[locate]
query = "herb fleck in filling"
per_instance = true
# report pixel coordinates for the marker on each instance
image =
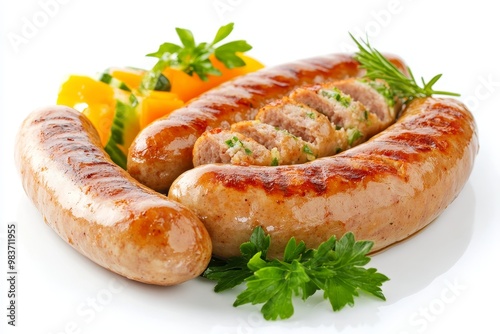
(310, 154)
(311, 115)
(382, 89)
(353, 135)
(235, 142)
(337, 95)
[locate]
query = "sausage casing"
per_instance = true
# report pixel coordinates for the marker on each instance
(383, 190)
(163, 150)
(99, 209)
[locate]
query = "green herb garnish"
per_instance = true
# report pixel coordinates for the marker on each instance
(231, 142)
(335, 94)
(286, 132)
(275, 154)
(378, 67)
(353, 135)
(336, 267)
(194, 58)
(235, 141)
(311, 115)
(233, 271)
(307, 150)
(383, 89)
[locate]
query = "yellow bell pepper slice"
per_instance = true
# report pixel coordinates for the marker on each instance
(101, 116)
(94, 98)
(97, 100)
(132, 77)
(79, 89)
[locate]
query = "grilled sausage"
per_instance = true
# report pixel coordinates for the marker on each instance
(224, 146)
(312, 122)
(286, 148)
(384, 190)
(163, 150)
(99, 209)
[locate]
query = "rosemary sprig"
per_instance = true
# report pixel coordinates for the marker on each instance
(404, 87)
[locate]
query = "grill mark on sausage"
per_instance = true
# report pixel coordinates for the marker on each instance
(386, 155)
(99, 209)
(153, 162)
(311, 177)
(323, 120)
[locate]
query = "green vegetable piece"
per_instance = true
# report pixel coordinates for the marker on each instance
(113, 82)
(125, 117)
(163, 84)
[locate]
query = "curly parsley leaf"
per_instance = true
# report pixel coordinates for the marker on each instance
(194, 58)
(336, 267)
(235, 270)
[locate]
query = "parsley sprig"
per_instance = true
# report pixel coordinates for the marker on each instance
(194, 58)
(336, 267)
(404, 87)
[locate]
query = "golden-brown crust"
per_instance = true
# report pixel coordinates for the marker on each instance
(163, 150)
(99, 209)
(383, 190)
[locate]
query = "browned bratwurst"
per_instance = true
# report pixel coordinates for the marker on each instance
(99, 209)
(163, 150)
(383, 190)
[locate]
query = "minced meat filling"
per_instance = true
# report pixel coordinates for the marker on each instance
(312, 122)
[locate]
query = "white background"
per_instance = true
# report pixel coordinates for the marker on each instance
(442, 280)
